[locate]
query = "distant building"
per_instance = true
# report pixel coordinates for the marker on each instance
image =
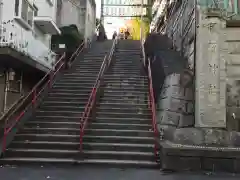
(115, 13)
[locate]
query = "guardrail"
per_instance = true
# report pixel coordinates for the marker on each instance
(151, 104)
(92, 99)
(30, 101)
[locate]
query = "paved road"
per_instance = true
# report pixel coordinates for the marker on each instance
(80, 173)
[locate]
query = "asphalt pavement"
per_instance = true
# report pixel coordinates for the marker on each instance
(90, 173)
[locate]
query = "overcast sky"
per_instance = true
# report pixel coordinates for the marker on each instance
(98, 10)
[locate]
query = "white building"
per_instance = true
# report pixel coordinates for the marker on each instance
(82, 13)
(25, 41)
(27, 26)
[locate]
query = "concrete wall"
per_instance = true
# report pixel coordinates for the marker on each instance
(90, 21)
(28, 39)
(73, 13)
(80, 13)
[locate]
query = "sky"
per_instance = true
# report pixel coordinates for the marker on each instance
(98, 10)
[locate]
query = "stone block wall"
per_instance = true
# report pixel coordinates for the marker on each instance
(232, 56)
(175, 104)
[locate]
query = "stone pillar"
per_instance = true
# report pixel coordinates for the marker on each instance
(210, 97)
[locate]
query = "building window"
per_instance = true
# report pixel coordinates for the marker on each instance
(26, 11)
(16, 7)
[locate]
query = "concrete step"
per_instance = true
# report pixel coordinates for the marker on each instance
(100, 125)
(79, 74)
(122, 115)
(72, 91)
(126, 76)
(128, 120)
(121, 92)
(114, 155)
(45, 145)
(74, 86)
(86, 146)
(127, 84)
(94, 132)
(81, 82)
(131, 68)
(135, 109)
(119, 132)
(71, 161)
(60, 113)
(120, 99)
(119, 139)
(41, 153)
(72, 79)
(54, 124)
(77, 95)
(123, 105)
(63, 107)
(66, 100)
(125, 79)
(126, 89)
(47, 137)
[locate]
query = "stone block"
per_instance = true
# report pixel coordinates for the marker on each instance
(177, 92)
(234, 139)
(172, 91)
(167, 131)
(233, 47)
(217, 164)
(177, 163)
(232, 34)
(191, 136)
(172, 80)
(176, 105)
(216, 137)
(179, 157)
(234, 59)
(233, 71)
(175, 119)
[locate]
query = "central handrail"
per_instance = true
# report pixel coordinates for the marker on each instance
(92, 99)
(30, 101)
(151, 104)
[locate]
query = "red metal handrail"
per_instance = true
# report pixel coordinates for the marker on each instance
(92, 99)
(77, 52)
(151, 104)
(32, 97)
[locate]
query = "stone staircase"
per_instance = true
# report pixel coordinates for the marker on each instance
(121, 134)
(52, 134)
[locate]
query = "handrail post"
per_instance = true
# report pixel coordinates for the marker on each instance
(34, 97)
(50, 80)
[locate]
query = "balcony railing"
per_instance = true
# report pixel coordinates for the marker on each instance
(15, 37)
